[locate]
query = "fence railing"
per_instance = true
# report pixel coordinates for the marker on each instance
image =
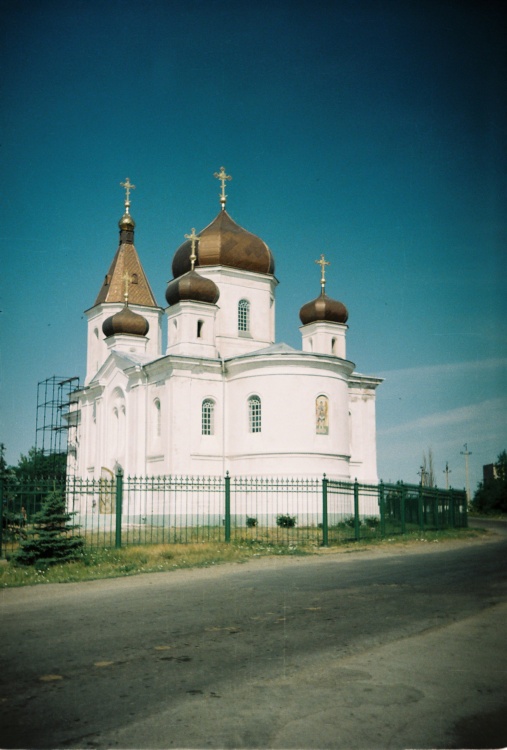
(167, 509)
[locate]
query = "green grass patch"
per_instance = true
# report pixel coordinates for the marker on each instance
(112, 563)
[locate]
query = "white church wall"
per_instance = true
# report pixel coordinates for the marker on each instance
(258, 290)
(191, 329)
(288, 443)
(363, 436)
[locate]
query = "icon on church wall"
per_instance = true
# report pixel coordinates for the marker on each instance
(322, 415)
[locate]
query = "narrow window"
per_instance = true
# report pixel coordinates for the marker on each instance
(254, 414)
(333, 346)
(134, 279)
(200, 324)
(208, 417)
(244, 315)
(157, 423)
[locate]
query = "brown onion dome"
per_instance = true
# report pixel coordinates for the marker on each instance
(192, 286)
(323, 308)
(125, 322)
(225, 243)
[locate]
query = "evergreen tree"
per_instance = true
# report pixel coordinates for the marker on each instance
(51, 541)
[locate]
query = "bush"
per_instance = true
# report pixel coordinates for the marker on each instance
(286, 522)
(372, 521)
(251, 522)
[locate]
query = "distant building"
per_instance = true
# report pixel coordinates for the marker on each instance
(223, 396)
(489, 472)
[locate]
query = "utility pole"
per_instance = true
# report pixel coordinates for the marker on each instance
(467, 453)
(422, 473)
(447, 471)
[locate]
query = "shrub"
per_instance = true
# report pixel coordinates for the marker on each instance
(251, 522)
(372, 521)
(286, 522)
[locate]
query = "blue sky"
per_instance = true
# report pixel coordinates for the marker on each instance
(373, 132)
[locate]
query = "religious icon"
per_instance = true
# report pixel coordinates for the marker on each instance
(321, 415)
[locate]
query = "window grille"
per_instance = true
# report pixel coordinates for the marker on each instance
(254, 413)
(208, 417)
(243, 315)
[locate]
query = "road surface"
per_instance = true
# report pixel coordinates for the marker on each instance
(387, 648)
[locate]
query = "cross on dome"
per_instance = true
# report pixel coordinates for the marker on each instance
(128, 187)
(323, 263)
(222, 176)
(127, 278)
(194, 238)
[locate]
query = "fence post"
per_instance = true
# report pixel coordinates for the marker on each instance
(227, 507)
(118, 506)
(382, 506)
(420, 512)
(465, 514)
(325, 527)
(356, 510)
(402, 508)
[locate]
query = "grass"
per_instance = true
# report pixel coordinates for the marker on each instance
(133, 560)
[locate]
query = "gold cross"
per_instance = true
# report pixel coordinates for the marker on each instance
(323, 263)
(222, 177)
(195, 238)
(128, 187)
(127, 278)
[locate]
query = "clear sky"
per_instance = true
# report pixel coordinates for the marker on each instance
(371, 131)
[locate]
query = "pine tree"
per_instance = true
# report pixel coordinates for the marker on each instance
(51, 541)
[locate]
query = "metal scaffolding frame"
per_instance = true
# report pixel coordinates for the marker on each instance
(54, 397)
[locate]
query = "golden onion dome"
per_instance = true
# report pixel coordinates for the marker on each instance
(126, 222)
(125, 322)
(192, 286)
(225, 243)
(323, 308)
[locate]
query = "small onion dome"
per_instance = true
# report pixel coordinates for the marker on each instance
(126, 222)
(225, 243)
(323, 308)
(126, 225)
(192, 286)
(127, 322)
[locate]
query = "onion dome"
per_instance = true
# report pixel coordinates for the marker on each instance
(225, 243)
(192, 286)
(323, 308)
(125, 322)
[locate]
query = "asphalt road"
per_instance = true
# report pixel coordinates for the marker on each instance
(378, 649)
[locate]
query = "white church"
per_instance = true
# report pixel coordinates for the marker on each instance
(223, 396)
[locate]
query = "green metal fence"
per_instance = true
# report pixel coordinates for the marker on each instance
(167, 510)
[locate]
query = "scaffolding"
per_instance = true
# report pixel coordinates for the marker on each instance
(54, 398)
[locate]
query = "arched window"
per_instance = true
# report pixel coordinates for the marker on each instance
(254, 414)
(200, 324)
(157, 422)
(244, 315)
(208, 417)
(333, 346)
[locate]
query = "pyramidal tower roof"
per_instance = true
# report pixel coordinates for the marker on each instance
(126, 263)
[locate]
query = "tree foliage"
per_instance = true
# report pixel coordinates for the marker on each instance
(51, 540)
(38, 464)
(491, 495)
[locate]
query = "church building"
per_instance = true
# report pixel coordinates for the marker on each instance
(223, 396)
